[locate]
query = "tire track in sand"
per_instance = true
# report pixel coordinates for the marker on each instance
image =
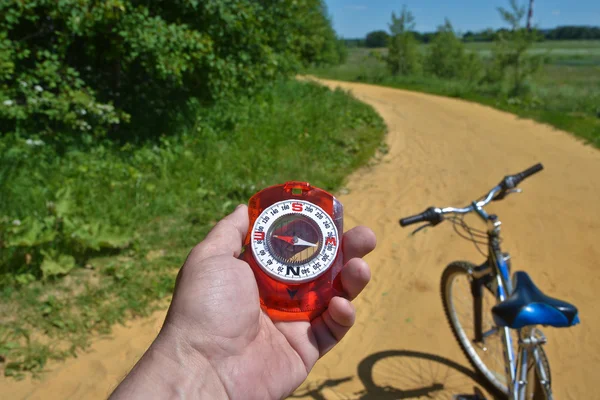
(441, 152)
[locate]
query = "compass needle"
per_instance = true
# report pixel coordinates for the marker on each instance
(287, 239)
(301, 242)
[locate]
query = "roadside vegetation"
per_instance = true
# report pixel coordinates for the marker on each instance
(127, 132)
(555, 82)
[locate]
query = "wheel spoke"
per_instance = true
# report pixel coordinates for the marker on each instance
(486, 356)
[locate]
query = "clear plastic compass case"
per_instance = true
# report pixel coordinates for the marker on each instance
(289, 301)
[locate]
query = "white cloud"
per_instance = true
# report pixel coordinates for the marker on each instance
(556, 12)
(356, 8)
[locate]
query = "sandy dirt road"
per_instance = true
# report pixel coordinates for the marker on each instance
(441, 152)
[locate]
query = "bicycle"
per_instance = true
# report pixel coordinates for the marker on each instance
(516, 306)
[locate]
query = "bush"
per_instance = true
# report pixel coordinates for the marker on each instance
(73, 70)
(403, 56)
(447, 57)
(510, 54)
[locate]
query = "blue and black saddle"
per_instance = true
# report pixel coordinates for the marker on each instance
(527, 305)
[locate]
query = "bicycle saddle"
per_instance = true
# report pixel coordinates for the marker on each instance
(527, 305)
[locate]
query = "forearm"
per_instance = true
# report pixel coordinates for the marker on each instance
(169, 370)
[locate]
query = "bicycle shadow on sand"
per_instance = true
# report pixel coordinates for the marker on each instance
(406, 374)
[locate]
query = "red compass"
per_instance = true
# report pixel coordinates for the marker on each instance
(294, 248)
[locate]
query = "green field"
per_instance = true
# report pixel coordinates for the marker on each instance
(567, 52)
(587, 49)
(564, 93)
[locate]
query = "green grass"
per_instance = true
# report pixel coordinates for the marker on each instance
(163, 197)
(565, 93)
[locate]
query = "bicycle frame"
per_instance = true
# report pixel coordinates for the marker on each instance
(494, 275)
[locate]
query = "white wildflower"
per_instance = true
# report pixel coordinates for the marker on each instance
(82, 111)
(16, 222)
(38, 88)
(83, 125)
(23, 83)
(8, 103)
(36, 142)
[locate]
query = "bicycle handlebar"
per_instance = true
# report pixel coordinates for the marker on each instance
(530, 171)
(428, 215)
(435, 215)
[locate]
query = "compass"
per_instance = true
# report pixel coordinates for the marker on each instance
(294, 241)
(293, 246)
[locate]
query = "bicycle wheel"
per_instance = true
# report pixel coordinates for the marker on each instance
(535, 389)
(486, 357)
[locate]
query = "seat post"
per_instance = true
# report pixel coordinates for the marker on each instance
(530, 337)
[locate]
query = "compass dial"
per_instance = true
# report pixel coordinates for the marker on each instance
(294, 241)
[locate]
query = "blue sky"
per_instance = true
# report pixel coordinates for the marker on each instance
(354, 18)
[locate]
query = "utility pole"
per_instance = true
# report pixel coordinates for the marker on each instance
(530, 15)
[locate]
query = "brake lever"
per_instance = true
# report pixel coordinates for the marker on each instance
(413, 233)
(503, 195)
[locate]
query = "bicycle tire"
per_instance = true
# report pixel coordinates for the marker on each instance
(538, 392)
(453, 270)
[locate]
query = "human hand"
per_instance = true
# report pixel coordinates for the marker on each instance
(216, 341)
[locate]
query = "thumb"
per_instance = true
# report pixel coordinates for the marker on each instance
(226, 238)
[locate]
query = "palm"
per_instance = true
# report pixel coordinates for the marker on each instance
(247, 348)
(216, 309)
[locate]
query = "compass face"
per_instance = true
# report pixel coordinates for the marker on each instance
(294, 241)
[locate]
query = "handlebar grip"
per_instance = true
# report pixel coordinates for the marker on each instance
(512, 181)
(530, 171)
(432, 215)
(412, 220)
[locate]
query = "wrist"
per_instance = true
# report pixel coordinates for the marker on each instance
(171, 368)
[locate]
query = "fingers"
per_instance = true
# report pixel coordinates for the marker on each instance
(355, 276)
(333, 324)
(358, 242)
(339, 317)
(302, 339)
(225, 238)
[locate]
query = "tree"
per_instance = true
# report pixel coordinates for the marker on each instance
(326, 47)
(573, 32)
(510, 54)
(81, 69)
(402, 24)
(447, 57)
(403, 53)
(530, 15)
(376, 39)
